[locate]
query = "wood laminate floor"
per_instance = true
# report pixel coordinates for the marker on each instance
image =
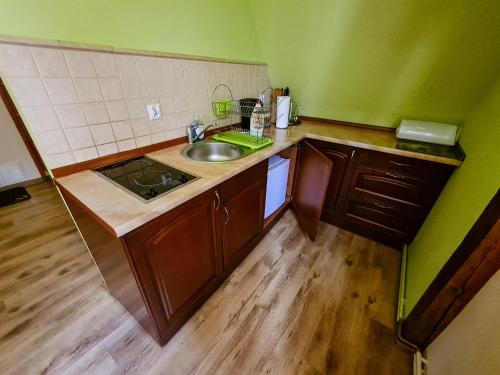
(292, 307)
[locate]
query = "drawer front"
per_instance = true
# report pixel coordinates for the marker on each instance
(399, 186)
(381, 210)
(400, 165)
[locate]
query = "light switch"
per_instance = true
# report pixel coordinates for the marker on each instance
(154, 111)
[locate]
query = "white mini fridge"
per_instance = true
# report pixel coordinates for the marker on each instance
(277, 181)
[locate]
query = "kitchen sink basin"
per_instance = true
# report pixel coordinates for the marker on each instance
(214, 152)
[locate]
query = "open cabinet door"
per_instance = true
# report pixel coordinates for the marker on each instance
(311, 182)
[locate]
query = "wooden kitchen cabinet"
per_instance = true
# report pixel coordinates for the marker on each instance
(178, 262)
(311, 181)
(341, 156)
(242, 223)
(387, 197)
(379, 195)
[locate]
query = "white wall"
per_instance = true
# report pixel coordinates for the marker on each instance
(13, 150)
(471, 343)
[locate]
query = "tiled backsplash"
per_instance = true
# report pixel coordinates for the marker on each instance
(80, 105)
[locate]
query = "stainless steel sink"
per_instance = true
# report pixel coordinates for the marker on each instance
(214, 152)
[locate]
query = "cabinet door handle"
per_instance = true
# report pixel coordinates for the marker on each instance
(227, 215)
(399, 164)
(218, 199)
(395, 175)
(380, 205)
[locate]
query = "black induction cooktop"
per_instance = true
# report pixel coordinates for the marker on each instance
(144, 177)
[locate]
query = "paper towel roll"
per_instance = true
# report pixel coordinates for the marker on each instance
(282, 111)
(430, 132)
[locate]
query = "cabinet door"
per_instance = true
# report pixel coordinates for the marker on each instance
(178, 259)
(311, 182)
(243, 217)
(340, 155)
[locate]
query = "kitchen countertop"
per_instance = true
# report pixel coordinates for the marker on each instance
(122, 212)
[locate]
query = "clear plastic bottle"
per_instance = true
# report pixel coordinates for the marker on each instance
(196, 128)
(257, 120)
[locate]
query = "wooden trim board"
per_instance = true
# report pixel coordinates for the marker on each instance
(469, 268)
(347, 123)
(110, 49)
(120, 156)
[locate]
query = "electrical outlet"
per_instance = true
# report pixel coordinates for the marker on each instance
(154, 111)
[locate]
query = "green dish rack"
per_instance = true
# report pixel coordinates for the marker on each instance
(243, 139)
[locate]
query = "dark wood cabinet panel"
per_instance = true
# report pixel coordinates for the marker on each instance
(341, 156)
(402, 187)
(243, 218)
(241, 181)
(177, 257)
(310, 187)
(387, 197)
(402, 165)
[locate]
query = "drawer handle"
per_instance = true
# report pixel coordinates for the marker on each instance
(380, 205)
(218, 199)
(399, 164)
(227, 215)
(395, 175)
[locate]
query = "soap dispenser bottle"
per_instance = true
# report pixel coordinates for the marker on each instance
(195, 129)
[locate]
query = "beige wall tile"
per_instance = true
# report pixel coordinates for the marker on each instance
(41, 118)
(162, 67)
(175, 133)
(50, 62)
(102, 134)
(88, 89)
(102, 97)
(60, 160)
(180, 104)
(79, 137)
(156, 126)
(71, 115)
(176, 68)
(167, 106)
(165, 87)
(179, 86)
(122, 130)
(111, 88)
(117, 110)
(158, 137)
(61, 90)
(52, 142)
(145, 67)
(140, 126)
(105, 65)
(29, 91)
(136, 108)
(107, 149)
(85, 154)
(131, 88)
(80, 64)
(17, 62)
(126, 66)
(145, 140)
(127, 144)
(170, 122)
(96, 113)
(149, 88)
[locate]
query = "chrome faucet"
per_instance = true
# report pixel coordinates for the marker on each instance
(197, 137)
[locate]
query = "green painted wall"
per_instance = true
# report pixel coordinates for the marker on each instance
(375, 61)
(464, 198)
(216, 28)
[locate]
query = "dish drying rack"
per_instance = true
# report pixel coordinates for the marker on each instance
(225, 108)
